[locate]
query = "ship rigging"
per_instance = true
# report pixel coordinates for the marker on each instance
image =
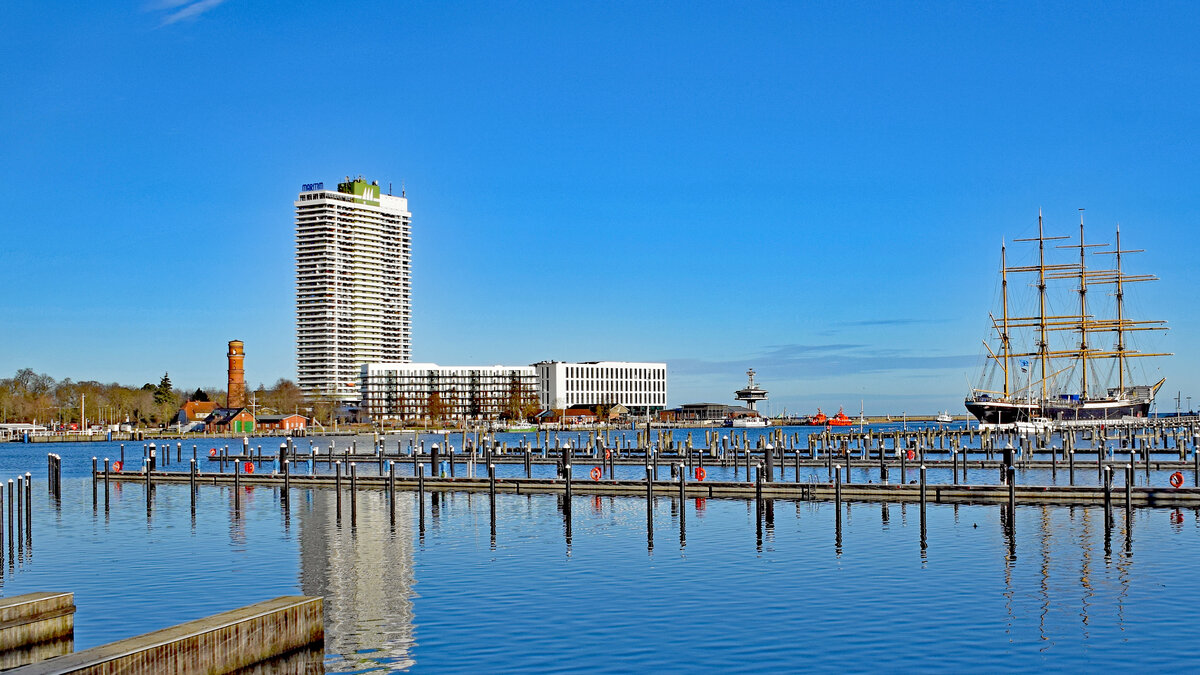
(1057, 385)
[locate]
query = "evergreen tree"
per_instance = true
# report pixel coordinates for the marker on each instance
(199, 395)
(164, 394)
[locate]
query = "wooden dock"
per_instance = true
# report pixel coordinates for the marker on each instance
(808, 491)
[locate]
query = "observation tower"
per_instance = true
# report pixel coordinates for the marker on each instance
(752, 394)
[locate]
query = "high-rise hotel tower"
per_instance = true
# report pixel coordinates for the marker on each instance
(353, 287)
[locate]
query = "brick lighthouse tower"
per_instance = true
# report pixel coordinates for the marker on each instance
(236, 397)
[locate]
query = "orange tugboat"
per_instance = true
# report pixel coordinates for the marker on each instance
(818, 420)
(840, 419)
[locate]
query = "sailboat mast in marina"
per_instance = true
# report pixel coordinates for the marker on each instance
(1065, 348)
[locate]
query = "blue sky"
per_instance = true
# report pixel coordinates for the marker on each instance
(817, 190)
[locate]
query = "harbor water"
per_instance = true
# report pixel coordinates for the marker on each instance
(707, 586)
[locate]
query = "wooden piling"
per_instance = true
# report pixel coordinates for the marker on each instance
(421, 496)
(392, 493)
(353, 494)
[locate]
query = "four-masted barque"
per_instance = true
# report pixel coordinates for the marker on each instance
(1053, 363)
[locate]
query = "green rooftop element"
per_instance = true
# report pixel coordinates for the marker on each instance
(364, 192)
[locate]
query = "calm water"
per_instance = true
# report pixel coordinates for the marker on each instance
(715, 592)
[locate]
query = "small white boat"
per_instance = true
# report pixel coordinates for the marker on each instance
(746, 423)
(945, 418)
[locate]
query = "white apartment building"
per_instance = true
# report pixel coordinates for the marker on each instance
(353, 285)
(408, 391)
(640, 387)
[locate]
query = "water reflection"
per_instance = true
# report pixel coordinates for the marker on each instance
(365, 575)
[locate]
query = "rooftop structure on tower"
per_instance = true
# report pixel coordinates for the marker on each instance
(752, 394)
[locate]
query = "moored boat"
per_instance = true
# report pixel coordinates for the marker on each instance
(746, 422)
(1052, 362)
(840, 419)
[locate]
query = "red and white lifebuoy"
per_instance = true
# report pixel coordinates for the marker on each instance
(700, 473)
(249, 467)
(911, 454)
(116, 466)
(212, 452)
(595, 473)
(1176, 479)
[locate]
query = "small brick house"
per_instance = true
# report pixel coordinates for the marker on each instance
(226, 420)
(293, 422)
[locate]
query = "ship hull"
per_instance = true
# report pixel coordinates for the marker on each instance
(1011, 412)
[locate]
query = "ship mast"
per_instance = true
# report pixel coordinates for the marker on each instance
(1083, 391)
(1042, 300)
(1120, 319)
(1004, 347)
(1043, 322)
(1122, 325)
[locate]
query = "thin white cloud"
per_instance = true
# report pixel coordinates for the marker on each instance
(179, 10)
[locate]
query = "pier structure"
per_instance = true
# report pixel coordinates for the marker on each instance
(775, 464)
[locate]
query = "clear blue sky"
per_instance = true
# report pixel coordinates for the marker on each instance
(817, 190)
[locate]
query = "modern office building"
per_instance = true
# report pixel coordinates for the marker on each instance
(640, 387)
(411, 391)
(353, 285)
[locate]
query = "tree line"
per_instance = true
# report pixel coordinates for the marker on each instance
(38, 398)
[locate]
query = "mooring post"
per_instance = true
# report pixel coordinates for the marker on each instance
(353, 494)
(924, 492)
(1012, 493)
(95, 480)
(567, 478)
(237, 485)
(287, 481)
(682, 479)
(337, 487)
(1128, 493)
(837, 487)
(649, 499)
(192, 483)
(392, 490)
(421, 496)
(1108, 494)
(20, 512)
(29, 506)
(11, 531)
(1071, 465)
(149, 473)
(492, 485)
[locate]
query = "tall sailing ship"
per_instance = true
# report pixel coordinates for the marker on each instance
(1057, 365)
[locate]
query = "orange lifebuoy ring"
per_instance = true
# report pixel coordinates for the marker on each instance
(249, 467)
(700, 474)
(607, 453)
(1176, 479)
(596, 473)
(212, 452)
(911, 454)
(116, 466)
